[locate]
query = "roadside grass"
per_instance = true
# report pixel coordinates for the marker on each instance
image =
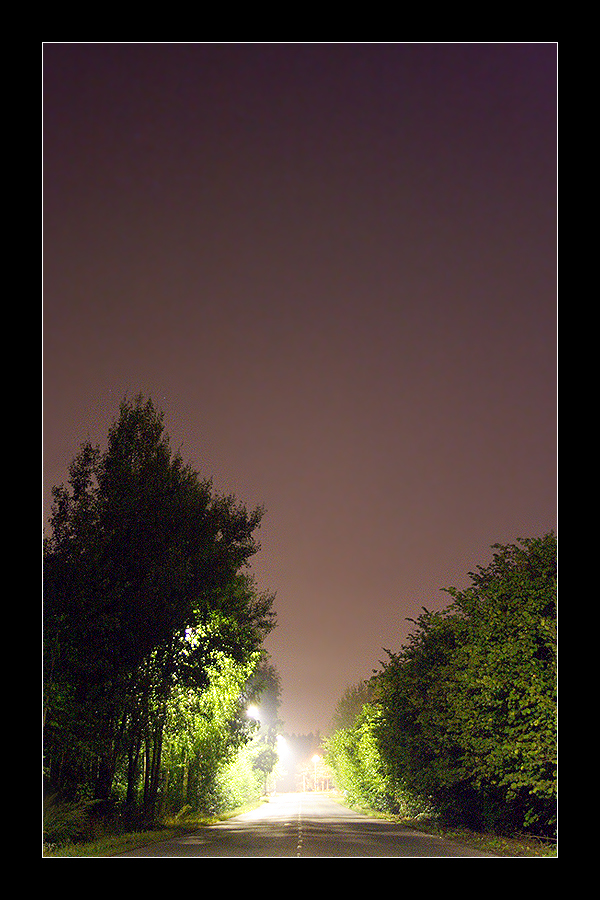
(115, 843)
(112, 844)
(514, 847)
(518, 846)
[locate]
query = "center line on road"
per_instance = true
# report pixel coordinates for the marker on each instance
(299, 847)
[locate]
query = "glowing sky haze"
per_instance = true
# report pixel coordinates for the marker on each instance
(333, 267)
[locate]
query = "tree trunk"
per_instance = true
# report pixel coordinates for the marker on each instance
(152, 780)
(104, 777)
(132, 769)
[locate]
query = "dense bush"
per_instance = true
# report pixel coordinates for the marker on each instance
(354, 756)
(463, 718)
(65, 822)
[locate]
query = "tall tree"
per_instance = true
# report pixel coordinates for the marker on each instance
(140, 550)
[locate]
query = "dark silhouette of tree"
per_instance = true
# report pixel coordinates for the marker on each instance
(140, 551)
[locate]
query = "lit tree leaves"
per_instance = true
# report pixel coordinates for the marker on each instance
(140, 553)
(466, 711)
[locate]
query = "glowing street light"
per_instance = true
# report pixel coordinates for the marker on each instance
(253, 712)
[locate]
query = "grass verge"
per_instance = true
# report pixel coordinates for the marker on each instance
(520, 846)
(113, 844)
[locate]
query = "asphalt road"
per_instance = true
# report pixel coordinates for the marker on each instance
(305, 826)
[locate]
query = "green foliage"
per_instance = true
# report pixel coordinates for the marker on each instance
(238, 781)
(351, 704)
(65, 822)
(205, 728)
(243, 778)
(361, 770)
(146, 602)
(352, 752)
(505, 702)
(464, 716)
(417, 733)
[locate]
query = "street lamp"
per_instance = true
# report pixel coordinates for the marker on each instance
(253, 712)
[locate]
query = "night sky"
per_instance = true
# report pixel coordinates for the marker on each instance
(333, 267)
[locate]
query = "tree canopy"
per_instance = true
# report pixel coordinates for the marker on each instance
(462, 719)
(147, 593)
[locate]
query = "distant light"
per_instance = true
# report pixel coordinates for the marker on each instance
(282, 746)
(253, 712)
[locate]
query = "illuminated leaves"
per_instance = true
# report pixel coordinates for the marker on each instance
(466, 711)
(140, 554)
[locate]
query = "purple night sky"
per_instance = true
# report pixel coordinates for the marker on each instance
(333, 267)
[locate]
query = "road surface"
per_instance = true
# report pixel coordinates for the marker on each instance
(305, 826)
